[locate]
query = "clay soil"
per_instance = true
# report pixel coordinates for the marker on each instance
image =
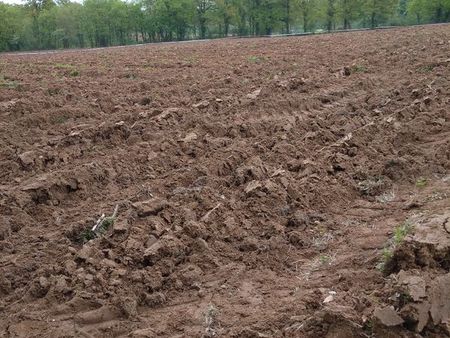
(273, 187)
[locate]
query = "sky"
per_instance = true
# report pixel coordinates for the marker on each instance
(22, 1)
(11, 1)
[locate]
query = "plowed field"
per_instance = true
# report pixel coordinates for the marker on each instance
(273, 187)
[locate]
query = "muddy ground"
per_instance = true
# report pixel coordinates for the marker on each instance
(285, 187)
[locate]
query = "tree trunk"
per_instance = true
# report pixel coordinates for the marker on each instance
(288, 16)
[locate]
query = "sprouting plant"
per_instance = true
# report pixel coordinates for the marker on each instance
(324, 259)
(63, 66)
(5, 82)
(107, 223)
(131, 76)
(426, 68)
(421, 182)
(59, 119)
(358, 69)
(53, 91)
(101, 226)
(86, 236)
(400, 233)
(256, 59)
(210, 320)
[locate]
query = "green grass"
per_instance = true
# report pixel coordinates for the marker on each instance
(131, 76)
(426, 68)
(64, 66)
(87, 234)
(59, 119)
(71, 69)
(8, 83)
(53, 91)
(256, 59)
(421, 182)
(400, 233)
(358, 69)
(324, 259)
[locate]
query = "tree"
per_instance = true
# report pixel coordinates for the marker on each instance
(44, 24)
(348, 11)
(12, 18)
(224, 11)
(287, 9)
(202, 8)
(379, 11)
(306, 10)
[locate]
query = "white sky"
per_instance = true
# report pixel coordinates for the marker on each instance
(11, 1)
(23, 1)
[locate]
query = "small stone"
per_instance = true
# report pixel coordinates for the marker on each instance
(328, 299)
(254, 94)
(202, 104)
(252, 186)
(154, 299)
(85, 253)
(427, 100)
(388, 317)
(346, 71)
(415, 92)
(70, 266)
(190, 137)
(27, 158)
(298, 220)
(145, 101)
(43, 282)
(416, 285)
(201, 244)
(120, 226)
(149, 207)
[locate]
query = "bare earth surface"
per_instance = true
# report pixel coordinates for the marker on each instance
(289, 187)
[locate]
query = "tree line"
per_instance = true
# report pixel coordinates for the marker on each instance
(49, 24)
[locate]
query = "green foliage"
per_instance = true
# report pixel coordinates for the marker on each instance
(324, 259)
(256, 59)
(107, 223)
(358, 69)
(59, 119)
(400, 232)
(48, 24)
(87, 234)
(421, 182)
(8, 83)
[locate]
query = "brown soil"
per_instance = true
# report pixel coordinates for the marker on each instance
(258, 181)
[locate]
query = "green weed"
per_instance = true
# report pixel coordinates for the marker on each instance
(256, 59)
(400, 233)
(87, 234)
(64, 66)
(421, 182)
(324, 259)
(53, 91)
(358, 69)
(8, 83)
(426, 68)
(59, 119)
